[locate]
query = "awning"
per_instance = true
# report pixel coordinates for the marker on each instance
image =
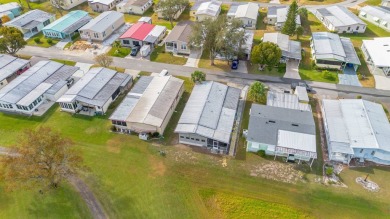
(362, 13)
(375, 19)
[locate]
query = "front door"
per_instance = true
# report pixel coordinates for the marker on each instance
(215, 145)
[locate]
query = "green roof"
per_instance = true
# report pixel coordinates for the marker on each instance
(73, 20)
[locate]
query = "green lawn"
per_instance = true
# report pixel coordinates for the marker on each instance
(276, 71)
(314, 75)
(43, 41)
(132, 180)
(65, 62)
(119, 52)
(159, 55)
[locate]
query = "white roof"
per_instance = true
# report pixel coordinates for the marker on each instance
(249, 10)
(379, 51)
(210, 111)
(34, 94)
(209, 8)
(339, 16)
(379, 12)
(103, 21)
(9, 6)
(358, 123)
(281, 15)
(150, 101)
(104, 2)
(301, 92)
(286, 100)
(297, 140)
(9, 65)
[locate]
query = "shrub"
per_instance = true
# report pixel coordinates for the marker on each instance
(49, 41)
(282, 67)
(155, 134)
(37, 40)
(113, 128)
(359, 97)
(261, 153)
(329, 76)
(329, 171)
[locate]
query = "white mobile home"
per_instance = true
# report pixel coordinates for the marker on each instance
(339, 19)
(380, 16)
(10, 68)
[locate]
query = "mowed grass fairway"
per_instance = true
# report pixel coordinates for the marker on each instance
(132, 180)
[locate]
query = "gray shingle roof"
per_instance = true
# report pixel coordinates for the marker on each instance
(210, 111)
(30, 19)
(103, 21)
(181, 32)
(266, 121)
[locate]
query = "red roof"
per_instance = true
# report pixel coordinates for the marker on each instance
(138, 31)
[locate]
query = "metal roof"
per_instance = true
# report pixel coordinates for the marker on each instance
(290, 48)
(383, 13)
(210, 8)
(96, 86)
(301, 93)
(70, 22)
(9, 6)
(9, 65)
(332, 46)
(241, 10)
(296, 140)
(281, 15)
(104, 2)
(379, 51)
(357, 123)
(47, 72)
(265, 122)
(124, 109)
(339, 16)
(210, 111)
(138, 31)
(272, 11)
(103, 21)
(30, 19)
(286, 100)
(128, 3)
(149, 101)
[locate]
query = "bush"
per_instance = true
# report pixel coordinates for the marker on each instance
(359, 97)
(261, 153)
(282, 67)
(49, 41)
(155, 134)
(329, 171)
(113, 128)
(37, 40)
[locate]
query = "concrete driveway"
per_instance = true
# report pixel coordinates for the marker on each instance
(193, 59)
(382, 82)
(292, 69)
(349, 77)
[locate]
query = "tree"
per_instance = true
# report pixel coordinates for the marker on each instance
(198, 77)
(257, 92)
(28, 4)
(217, 36)
(169, 8)
(43, 158)
(57, 4)
(103, 60)
(232, 42)
(299, 31)
(11, 40)
(290, 25)
(266, 53)
(4, 19)
(303, 13)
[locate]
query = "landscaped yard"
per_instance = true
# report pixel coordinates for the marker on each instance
(159, 55)
(43, 41)
(119, 52)
(276, 71)
(311, 2)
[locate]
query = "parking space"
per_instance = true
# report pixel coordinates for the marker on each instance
(349, 77)
(292, 69)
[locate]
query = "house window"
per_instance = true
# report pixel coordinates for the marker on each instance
(96, 35)
(183, 46)
(113, 27)
(203, 140)
(104, 33)
(181, 136)
(373, 153)
(357, 28)
(45, 23)
(192, 139)
(361, 150)
(126, 42)
(349, 28)
(187, 137)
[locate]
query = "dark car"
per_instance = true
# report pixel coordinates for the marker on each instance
(134, 51)
(302, 84)
(234, 64)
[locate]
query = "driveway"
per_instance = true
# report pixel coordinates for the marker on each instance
(382, 82)
(193, 59)
(349, 77)
(242, 67)
(292, 69)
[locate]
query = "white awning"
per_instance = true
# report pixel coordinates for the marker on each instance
(375, 19)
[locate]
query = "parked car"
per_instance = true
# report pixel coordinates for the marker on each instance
(234, 64)
(134, 51)
(302, 84)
